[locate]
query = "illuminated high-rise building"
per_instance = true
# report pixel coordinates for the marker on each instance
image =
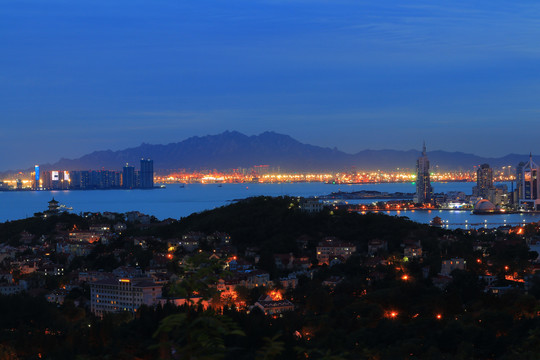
(424, 192)
(528, 185)
(128, 177)
(484, 181)
(36, 177)
(147, 174)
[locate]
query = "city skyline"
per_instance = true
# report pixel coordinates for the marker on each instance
(87, 76)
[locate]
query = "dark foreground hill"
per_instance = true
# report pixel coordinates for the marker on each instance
(363, 308)
(275, 224)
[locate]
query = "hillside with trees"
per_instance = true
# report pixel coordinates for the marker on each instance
(371, 305)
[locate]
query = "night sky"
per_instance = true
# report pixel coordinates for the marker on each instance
(79, 76)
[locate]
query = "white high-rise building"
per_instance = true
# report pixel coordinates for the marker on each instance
(528, 185)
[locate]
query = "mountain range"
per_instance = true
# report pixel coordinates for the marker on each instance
(232, 149)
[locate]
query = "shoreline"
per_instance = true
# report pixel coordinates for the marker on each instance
(93, 189)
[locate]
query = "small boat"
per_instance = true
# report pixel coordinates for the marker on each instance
(220, 185)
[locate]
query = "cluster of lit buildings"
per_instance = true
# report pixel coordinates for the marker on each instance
(128, 178)
(487, 196)
(374, 177)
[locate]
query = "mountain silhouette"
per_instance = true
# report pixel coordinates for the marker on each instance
(232, 149)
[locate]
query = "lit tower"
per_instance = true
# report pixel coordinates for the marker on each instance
(424, 192)
(54, 207)
(128, 177)
(147, 173)
(484, 181)
(36, 177)
(528, 185)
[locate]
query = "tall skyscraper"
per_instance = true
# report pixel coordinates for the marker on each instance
(147, 173)
(36, 177)
(424, 192)
(518, 191)
(528, 185)
(484, 181)
(128, 177)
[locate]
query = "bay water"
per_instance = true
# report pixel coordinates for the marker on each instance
(177, 201)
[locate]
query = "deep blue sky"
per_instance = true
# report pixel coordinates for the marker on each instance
(78, 76)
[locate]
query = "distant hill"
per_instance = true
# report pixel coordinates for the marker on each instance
(232, 149)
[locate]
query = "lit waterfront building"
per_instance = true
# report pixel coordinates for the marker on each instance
(36, 177)
(424, 192)
(484, 181)
(528, 187)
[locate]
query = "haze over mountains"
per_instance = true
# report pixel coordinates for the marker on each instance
(232, 149)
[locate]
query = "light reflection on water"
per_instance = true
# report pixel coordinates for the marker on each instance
(454, 219)
(176, 202)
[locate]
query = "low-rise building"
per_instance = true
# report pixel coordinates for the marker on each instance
(332, 281)
(453, 264)
(74, 248)
(189, 245)
(289, 282)
(331, 248)
(100, 229)
(534, 245)
(83, 237)
(376, 245)
(122, 294)
(311, 205)
(26, 267)
(284, 261)
(239, 264)
(119, 227)
(127, 272)
(412, 251)
(12, 288)
(256, 278)
(271, 307)
(57, 296)
(6, 276)
(52, 270)
(135, 216)
(93, 276)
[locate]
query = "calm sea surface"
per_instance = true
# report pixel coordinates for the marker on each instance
(176, 202)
